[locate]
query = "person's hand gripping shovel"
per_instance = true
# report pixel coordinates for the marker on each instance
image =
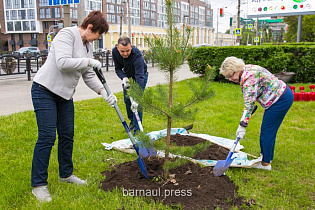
(134, 109)
(222, 165)
(101, 77)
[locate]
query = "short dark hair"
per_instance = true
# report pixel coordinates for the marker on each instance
(98, 20)
(124, 41)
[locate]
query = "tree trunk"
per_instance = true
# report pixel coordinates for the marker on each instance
(169, 125)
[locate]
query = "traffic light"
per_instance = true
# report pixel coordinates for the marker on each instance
(221, 12)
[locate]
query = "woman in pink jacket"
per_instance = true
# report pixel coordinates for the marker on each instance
(275, 96)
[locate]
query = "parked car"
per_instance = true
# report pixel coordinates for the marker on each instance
(203, 45)
(44, 52)
(101, 51)
(33, 50)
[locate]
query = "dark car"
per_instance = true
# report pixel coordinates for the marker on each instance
(44, 52)
(100, 51)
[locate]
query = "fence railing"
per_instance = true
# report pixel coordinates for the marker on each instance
(12, 64)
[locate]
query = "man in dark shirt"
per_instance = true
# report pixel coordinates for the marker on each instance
(129, 63)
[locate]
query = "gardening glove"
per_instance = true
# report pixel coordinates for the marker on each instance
(95, 64)
(134, 106)
(240, 132)
(111, 99)
(125, 83)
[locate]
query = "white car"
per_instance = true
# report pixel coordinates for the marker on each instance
(33, 50)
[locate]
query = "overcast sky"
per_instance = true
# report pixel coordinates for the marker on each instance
(224, 22)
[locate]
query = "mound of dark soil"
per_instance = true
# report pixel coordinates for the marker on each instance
(185, 140)
(213, 152)
(192, 186)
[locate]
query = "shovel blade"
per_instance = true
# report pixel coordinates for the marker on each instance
(141, 162)
(221, 167)
(142, 167)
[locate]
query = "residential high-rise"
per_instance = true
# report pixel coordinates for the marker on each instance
(28, 22)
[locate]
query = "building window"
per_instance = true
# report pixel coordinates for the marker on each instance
(33, 36)
(46, 25)
(17, 26)
(57, 12)
(22, 15)
(33, 26)
(47, 12)
(8, 4)
(24, 3)
(10, 26)
(13, 15)
(26, 26)
(31, 4)
(16, 4)
(31, 13)
(41, 13)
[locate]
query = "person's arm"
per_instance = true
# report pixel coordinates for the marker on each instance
(118, 65)
(138, 63)
(63, 49)
(250, 92)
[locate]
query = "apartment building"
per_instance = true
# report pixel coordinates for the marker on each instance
(28, 22)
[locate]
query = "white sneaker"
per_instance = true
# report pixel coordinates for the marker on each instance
(42, 193)
(260, 166)
(74, 179)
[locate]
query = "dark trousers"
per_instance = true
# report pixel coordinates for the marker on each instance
(130, 114)
(52, 113)
(272, 120)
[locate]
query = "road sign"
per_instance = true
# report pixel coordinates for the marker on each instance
(62, 2)
(238, 32)
(48, 38)
(250, 26)
(256, 39)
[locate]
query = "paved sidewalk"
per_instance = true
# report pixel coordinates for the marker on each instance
(15, 91)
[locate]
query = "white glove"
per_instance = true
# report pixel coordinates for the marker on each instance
(125, 83)
(240, 132)
(95, 64)
(111, 99)
(134, 106)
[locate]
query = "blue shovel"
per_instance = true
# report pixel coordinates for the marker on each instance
(100, 75)
(223, 165)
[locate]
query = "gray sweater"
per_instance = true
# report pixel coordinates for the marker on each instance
(67, 61)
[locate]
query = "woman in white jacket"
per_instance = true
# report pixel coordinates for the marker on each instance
(70, 57)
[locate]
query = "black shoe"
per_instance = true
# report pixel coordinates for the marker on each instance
(131, 126)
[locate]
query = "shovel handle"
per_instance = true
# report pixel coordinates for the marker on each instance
(137, 116)
(101, 77)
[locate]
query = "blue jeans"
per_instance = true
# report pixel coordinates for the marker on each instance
(130, 114)
(52, 113)
(272, 120)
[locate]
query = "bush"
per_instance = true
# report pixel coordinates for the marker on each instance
(298, 59)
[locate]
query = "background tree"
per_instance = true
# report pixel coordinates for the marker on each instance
(270, 35)
(307, 32)
(169, 53)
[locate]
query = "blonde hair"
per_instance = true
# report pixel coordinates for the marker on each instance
(231, 64)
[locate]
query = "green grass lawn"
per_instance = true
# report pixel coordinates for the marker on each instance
(290, 185)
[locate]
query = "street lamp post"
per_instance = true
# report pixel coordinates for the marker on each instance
(185, 16)
(129, 23)
(217, 27)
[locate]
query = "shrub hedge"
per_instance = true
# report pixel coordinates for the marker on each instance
(288, 58)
